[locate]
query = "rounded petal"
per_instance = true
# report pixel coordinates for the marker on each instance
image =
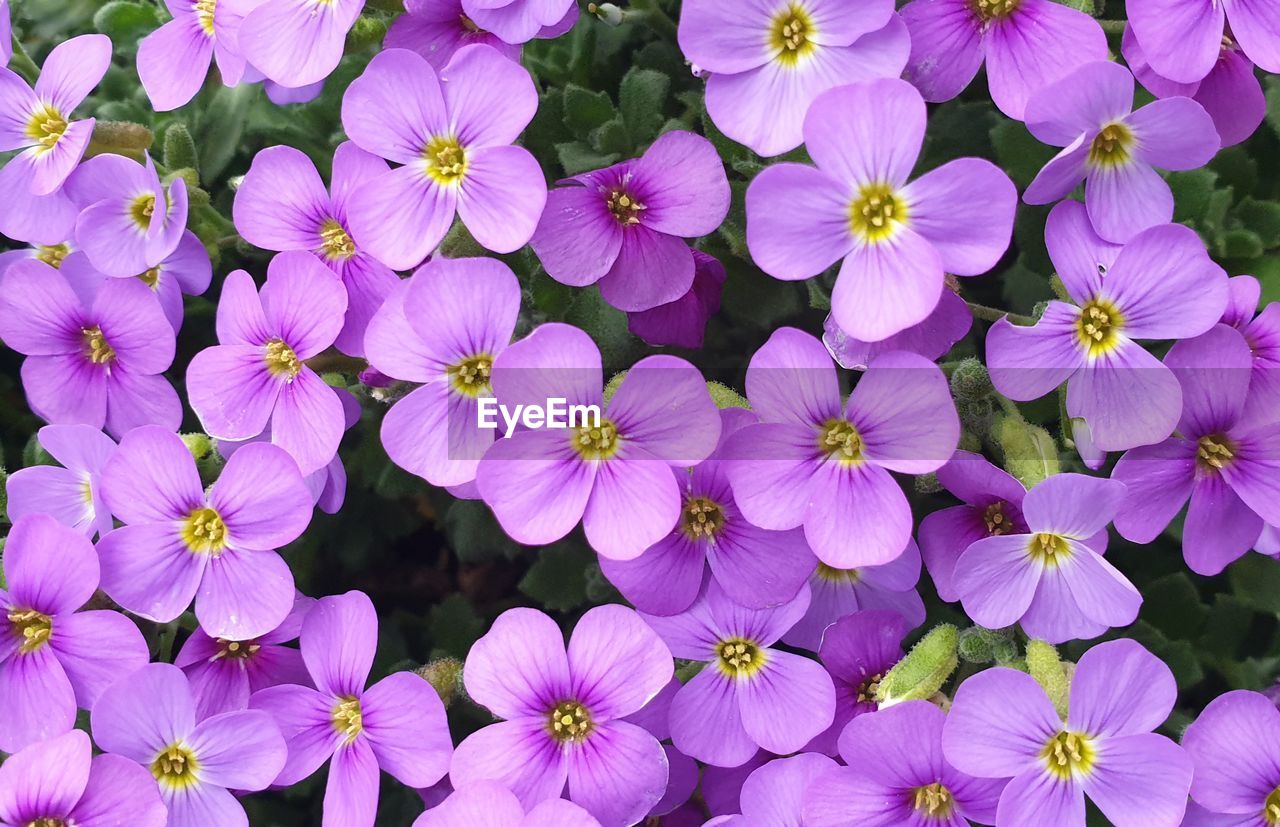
(996, 579)
(261, 498)
(402, 215)
(338, 640)
(144, 712)
(1127, 396)
(405, 723)
(281, 203)
(38, 698)
(946, 47)
(1165, 285)
(785, 684)
(866, 133)
(1180, 40)
(1145, 778)
(807, 237)
(618, 663)
(1158, 480)
(886, 287)
(618, 774)
(149, 570)
(173, 61)
(1041, 43)
(538, 487)
(519, 668)
(518, 754)
(706, 723)
(490, 98)
(999, 723)
(970, 236)
(903, 411)
(1119, 688)
(242, 750)
(791, 379)
(244, 594)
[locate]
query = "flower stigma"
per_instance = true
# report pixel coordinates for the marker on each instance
(791, 35)
(995, 519)
(702, 519)
(32, 628)
(877, 213)
(625, 208)
(569, 722)
(739, 658)
(204, 532)
(348, 719)
(1050, 549)
(1068, 754)
(237, 650)
(1111, 147)
(933, 801)
(96, 347)
(282, 361)
(176, 767)
(446, 160)
(46, 126)
(840, 440)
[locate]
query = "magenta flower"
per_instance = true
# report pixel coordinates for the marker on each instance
(614, 475)
(749, 695)
(836, 593)
(1002, 725)
(519, 21)
(444, 328)
(992, 507)
(561, 709)
(770, 61)
(180, 543)
(755, 567)
(932, 338)
(1161, 285)
(72, 494)
(283, 205)
(775, 793)
(129, 221)
(1225, 462)
(453, 133)
(398, 724)
(224, 673)
(436, 29)
(38, 122)
(493, 805)
(625, 226)
(149, 717)
(297, 42)
(1182, 40)
(1052, 579)
(896, 239)
(1115, 150)
(53, 657)
(96, 360)
(683, 322)
(257, 375)
(823, 463)
(1233, 745)
(58, 781)
(1263, 335)
(174, 59)
(1026, 44)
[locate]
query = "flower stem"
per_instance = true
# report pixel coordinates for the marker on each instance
(992, 314)
(1113, 26)
(657, 19)
(22, 63)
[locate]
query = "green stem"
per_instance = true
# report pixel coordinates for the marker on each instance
(657, 19)
(22, 63)
(992, 314)
(1113, 26)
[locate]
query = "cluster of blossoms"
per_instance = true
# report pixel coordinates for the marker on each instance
(768, 554)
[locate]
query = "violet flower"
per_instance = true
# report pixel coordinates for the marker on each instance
(518, 21)
(683, 322)
(1263, 336)
(436, 29)
(53, 657)
(180, 542)
(493, 805)
(297, 42)
(1182, 40)
(774, 794)
(1233, 745)
(948, 323)
(561, 709)
(896, 238)
(173, 60)
(71, 494)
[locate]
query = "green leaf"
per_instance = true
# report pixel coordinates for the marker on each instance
(125, 21)
(474, 533)
(611, 138)
(1172, 604)
(577, 157)
(558, 580)
(454, 626)
(1263, 218)
(585, 110)
(1192, 193)
(1018, 151)
(1239, 243)
(1255, 580)
(221, 127)
(641, 98)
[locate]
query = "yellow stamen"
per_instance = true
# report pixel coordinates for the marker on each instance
(176, 767)
(335, 242)
(840, 440)
(596, 442)
(569, 722)
(52, 254)
(834, 575)
(988, 10)
(625, 208)
(446, 160)
(1214, 452)
(877, 213)
(791, 35)
(46, 126)
(151, 278)
(141, 209)
(32, 628)
(470, 377)
(348, 718)
(1068, 754)
(1271, 808)
(1111, 147)
(933, 801)
(867, 691)
(204, 14)
(1099, 326)
(739, 658)
(204, 532)
(1050, 549)
(997, 522)
(702, 519)
(281, 360)
(96, 347)
(236, 649)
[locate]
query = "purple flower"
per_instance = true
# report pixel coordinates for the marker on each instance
(624, 226)
(518, 21)
(1002, 725)
(722, 786)
(453, 133)
(174, 59)
(1052, 579)
(1234, 747)
(992, 506)
(257, 375)
(1182, 40)
(96, 360)
(769, 61)
(896, 239)
(39, 123)
(71, 494)
(774, 794)
(683, 322)
(822, 463)
(53, 657)
(839, 592)
(436, 29)
(1027, 44)
(561, 711)
(149, 717)
(398, 724)
(1161, 285)
(444, 328)
(615, 474)
(749, 695)
(6, 33)
(1230, 93)
(58, 781)
(896, 774)
(224, 673)
(1263, 336)
(179, 542)
(493, 805)
(297, 42)
(1225, 462)
(283, 205)
(755, 567)
(932, 338)
(1115, 150)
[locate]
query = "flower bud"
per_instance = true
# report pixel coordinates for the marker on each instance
(1046, 667)
(924, 670)
(1030, 454)
(608, 13)
(180, 149)
(445, 677)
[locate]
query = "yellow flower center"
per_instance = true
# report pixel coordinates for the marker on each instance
(1271, 808)
(446, 160)
(151, 278)
(867, 691)
(1050, 549)
(335, 243)
(877, 213)
(791, 35)
(1099, 327)
(1215, 452)
(596, 441)
(1111, 147)
(739, 658)
(625, 208)
(32, 628)
(281, 360)
(834, 575)
(470, 377)
(141, 209)
(469, 25)
(48, 822)
(994, 517)
(96, 347)
(348, 719)
(569, 721)
(236, 649)
(933, 801)
(1068, 754)
(839, 440)
(701, 519)
(46, 126)
(53, 254)
(204, 14)
(988, 10)
(204, 532)
(176, 767)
